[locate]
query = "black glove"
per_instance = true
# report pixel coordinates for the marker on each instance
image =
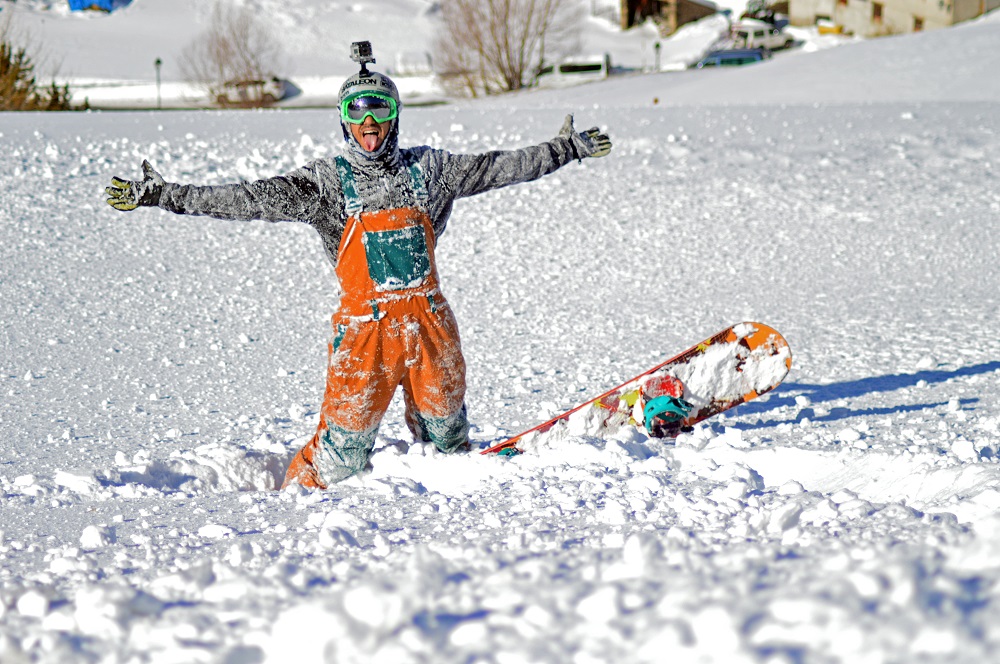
(591, 143)
(126, 195)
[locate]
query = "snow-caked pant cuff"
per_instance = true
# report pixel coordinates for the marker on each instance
(342, 453)
(447, 433)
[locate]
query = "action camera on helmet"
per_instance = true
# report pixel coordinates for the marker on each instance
(361, 52)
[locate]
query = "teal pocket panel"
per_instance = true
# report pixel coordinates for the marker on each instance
(338, 337)
(397, 259)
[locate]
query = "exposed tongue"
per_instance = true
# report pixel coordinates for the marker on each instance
(370, 141)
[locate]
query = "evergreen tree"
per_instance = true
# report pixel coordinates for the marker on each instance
(18, 87)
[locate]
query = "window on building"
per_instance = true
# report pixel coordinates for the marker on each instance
(918, 24)
(877, 12)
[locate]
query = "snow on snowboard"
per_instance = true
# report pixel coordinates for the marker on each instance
(731, 367)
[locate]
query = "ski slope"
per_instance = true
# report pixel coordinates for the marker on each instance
(157, 373)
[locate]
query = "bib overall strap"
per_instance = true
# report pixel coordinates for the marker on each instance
(417, 178)
(352, 202)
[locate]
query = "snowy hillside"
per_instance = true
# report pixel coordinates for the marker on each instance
(317, 35)
(157, 373)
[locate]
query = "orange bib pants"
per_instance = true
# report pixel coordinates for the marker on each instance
(393, 328)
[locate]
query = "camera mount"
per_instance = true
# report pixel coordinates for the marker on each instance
(361, 52)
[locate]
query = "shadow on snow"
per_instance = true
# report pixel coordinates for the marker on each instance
(784, 395)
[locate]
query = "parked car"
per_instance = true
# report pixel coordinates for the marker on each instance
(751, 33)
(828, 27)
(573, 71)
(252, 93)
(769, 16)
(733, 57)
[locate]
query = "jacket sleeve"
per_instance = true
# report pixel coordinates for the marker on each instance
(467, 175)
(296, 196)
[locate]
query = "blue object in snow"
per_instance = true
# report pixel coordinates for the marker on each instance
(104, 5)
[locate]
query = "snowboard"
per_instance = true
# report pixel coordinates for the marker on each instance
(729, 368)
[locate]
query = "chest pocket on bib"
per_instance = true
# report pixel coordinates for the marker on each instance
(397, 259)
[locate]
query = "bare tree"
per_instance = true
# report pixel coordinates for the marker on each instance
(235, 59)
(490, 46)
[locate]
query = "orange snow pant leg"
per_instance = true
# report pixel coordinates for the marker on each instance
(413, 343)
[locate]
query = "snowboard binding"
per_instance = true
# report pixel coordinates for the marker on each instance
(663, 407)
(663, 415)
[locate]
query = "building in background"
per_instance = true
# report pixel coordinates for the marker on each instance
(874, 18)
(669, 15)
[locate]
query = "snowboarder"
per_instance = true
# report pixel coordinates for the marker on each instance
(379, 210)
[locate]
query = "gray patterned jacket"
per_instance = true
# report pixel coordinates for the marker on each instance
(312, 194)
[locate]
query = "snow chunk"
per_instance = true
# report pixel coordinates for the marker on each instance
(600, 606)
(214, 531)
(377, 607)
(341, 528)
(848, 435)
(297, 412)
(85, 485)
(241, 553)
(640, 552)
(33, 604)
(97, 537)
(105, 611)
(965, 450)
(790, 488)
(784, 517)
(715, 632)
(347, 521)
(613, 514)
(314, 618)
(332, 538)
(23, 481)
(933, 640)
(215, 467)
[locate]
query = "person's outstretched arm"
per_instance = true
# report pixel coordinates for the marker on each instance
(295, 196)
(467, 175)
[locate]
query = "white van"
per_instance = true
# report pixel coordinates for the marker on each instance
(574, 70)
(751, 33)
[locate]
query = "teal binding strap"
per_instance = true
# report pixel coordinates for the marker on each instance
(352, 202)
(666, 408)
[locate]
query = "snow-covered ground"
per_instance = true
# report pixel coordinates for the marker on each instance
(157, 372)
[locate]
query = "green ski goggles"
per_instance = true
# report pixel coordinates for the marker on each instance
(356, 108)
